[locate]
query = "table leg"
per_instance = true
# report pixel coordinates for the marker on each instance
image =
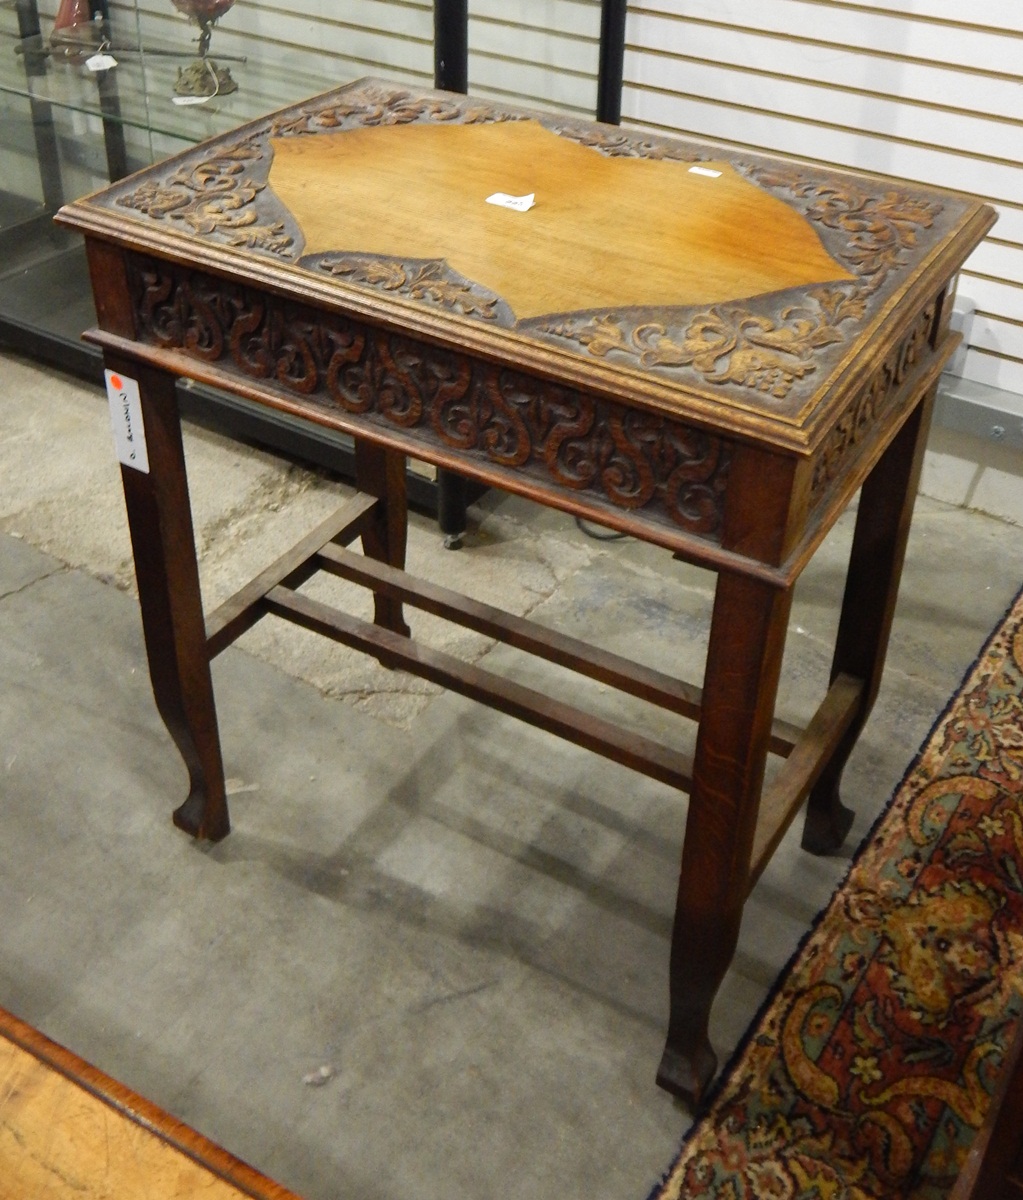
(380, 472)
(744, 655)
(160, 523)
(868, 606)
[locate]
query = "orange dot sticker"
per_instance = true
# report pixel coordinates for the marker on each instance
(126, 419)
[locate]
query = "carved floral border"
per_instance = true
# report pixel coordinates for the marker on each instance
(875, 401)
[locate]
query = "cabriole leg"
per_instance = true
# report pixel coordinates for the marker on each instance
(868, 607)
(160, 523)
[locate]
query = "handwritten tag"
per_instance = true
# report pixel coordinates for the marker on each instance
(126, 419)
(705, 171)
(181, 100)
(101, 62)
(515, 203)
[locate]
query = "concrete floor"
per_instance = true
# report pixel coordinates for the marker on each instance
(430, 959)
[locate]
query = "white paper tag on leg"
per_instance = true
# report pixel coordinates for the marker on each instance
(126, 418)
(516, 203)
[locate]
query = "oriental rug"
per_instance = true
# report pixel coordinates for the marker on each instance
(869, 1069)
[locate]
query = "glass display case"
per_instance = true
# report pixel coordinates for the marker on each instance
(88, 103)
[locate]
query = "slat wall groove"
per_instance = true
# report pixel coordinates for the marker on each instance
(923, 18)
(792, 38)
(931, 106)
(818, 122)
(927, 90)
(910, 10)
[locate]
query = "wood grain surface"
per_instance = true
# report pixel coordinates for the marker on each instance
(604, 232)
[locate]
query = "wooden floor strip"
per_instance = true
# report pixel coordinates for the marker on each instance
(70, 1132)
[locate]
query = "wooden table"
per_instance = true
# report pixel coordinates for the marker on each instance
(69, 1132)
(708, 350)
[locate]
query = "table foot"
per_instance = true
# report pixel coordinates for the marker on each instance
(687, 1075)
(827, 823)
(202, 818)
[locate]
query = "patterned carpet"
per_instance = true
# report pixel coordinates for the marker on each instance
(869, 1069)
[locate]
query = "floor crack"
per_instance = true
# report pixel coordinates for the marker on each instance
(32, 583)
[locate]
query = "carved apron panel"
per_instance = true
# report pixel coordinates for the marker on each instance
(618, 457)
(873, 406)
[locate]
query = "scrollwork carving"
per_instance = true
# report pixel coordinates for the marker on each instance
(872, 403)
(727, 343)
(876, 232)
(772, 347)
(215, 197)
(431, 281)
(368, 105)
(624, 458)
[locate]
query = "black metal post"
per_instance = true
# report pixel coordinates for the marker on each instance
(451, 45)
(451, 74)
(110, 103)
(612, 61)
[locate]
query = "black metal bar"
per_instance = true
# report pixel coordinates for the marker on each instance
(451, 74)
(612, 61)
(451, 45)
(110, 101)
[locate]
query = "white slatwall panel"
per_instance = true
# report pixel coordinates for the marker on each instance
(929, 90)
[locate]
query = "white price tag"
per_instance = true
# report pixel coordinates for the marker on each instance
(180, 100)
(515, 203)
(126, 419)
(101, 62)
(705, 171)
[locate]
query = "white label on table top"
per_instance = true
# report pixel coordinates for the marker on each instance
(711, 174)
(183, 100)
(515, 203)
(101, 62)
(126, 418)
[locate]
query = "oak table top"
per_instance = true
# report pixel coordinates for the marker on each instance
(708, 349)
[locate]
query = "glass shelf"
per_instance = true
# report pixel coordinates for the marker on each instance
(139, 91)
